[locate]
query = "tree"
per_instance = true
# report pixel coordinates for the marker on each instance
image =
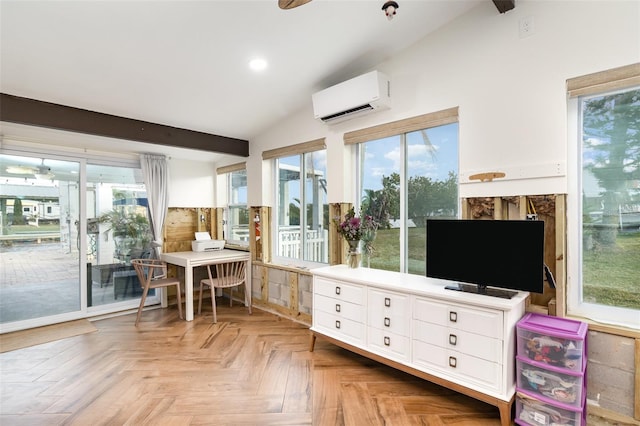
(611, 141)
(18, 217)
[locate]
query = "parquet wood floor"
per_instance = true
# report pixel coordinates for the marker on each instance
(244, 370)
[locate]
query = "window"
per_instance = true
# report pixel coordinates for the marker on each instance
(603, 282)
(236, 212)
(301, 216)
(408, 171)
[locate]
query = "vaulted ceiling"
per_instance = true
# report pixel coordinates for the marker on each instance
(186, 63)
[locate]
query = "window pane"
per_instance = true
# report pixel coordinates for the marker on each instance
(317, 208)
(380, 176)
(611, 200)
(237, 213)
(288, 238)
(432, 190)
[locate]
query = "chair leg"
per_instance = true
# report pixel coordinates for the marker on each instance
(179, 301)
(213, 304)
(247, 300)
(230, 296)
(200, 299)
(142, 299)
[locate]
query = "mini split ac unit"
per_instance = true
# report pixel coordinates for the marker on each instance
(353, 98)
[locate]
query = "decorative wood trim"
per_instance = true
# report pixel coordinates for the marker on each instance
(604, 81)
(301, 148)
(260, 233)
(292, 278)
(231, 168)
(337, 247)
(412, 124)
(561, 255)
(45, 114)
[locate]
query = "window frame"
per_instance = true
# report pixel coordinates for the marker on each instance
(228, 171)
(580, 88)
(275, 155)
(400, 129)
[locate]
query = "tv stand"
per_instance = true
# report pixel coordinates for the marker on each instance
(462, 341)
(482, 289)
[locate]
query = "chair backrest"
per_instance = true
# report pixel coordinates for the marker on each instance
(148, 269)
(229, 274)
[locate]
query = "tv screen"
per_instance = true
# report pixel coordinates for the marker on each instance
(477, 254)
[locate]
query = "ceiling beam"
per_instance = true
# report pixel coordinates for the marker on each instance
(504, 5)
(15, 109)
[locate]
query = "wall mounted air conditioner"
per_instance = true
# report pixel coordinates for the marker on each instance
(352, 98)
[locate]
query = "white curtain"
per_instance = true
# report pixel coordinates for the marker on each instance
(156, 178)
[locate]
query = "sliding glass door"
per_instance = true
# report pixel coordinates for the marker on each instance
(68, 231)
(118, 230)
(39, 251)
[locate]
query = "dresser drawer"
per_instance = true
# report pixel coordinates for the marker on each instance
(393, 345)
(476, 345)
(339, 308)
(389, 311)
(340, 328)
(338, 290)
(464, 367)
(474, 320)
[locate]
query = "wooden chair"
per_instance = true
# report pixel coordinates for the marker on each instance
(152, 273)
(228, 275)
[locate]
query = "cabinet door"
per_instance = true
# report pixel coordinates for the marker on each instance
(339, 290)
(389, 311)
(339, 328)
(469, 318)
(339, 308)
(464, 368)
(458, 340)
(388, 344)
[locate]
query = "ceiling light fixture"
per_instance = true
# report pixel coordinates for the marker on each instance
(390, 8)
(258, 64)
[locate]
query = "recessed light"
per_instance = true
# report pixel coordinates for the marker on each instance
(258, 64)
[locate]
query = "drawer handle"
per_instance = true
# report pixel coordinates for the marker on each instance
(453, 316)
(453, 339)
(337, 307)
(337, 290)
(387, 341)
(453, 361)
(337, 324)
(387, 302)
(387, 322)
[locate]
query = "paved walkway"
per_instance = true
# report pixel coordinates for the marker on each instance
(41, 279)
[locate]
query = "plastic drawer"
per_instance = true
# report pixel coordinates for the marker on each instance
(559, 342)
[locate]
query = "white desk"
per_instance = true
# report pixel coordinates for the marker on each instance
(191, 259)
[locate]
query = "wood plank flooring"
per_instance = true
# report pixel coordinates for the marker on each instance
(244, 370)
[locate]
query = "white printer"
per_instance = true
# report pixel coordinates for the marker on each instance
(203, 242)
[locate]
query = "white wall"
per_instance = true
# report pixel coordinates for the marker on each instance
(191, 184)
(510, 92)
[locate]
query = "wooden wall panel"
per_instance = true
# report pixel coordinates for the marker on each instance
(550, 209)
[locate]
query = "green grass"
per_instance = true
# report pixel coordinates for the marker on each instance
(611, 275)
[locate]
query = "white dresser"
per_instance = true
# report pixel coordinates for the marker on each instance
(462, 341)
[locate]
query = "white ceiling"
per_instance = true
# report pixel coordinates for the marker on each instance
(185, 63)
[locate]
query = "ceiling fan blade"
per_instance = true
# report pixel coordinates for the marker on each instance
(290, 4)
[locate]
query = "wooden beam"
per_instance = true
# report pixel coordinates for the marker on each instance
(15, 109)
(504, 5)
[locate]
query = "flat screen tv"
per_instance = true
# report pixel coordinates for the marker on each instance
(487, 256)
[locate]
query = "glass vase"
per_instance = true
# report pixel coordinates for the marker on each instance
(353, 255)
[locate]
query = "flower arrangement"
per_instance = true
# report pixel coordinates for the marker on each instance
(354, 228)
(351, 227)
